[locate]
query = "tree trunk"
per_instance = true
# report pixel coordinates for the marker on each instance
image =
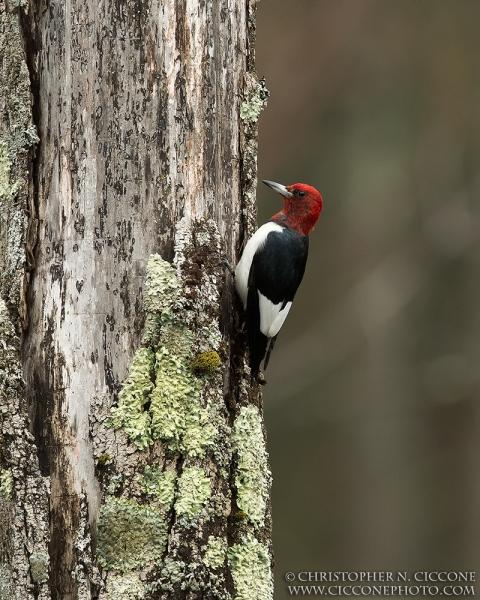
(147, 476)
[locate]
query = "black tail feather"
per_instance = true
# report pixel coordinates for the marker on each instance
(271, 344)
(258, 347)
(257, 342)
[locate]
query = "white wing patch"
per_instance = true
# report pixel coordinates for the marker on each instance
(272, 316)
(255, 243)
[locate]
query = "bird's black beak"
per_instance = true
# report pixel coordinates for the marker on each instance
(278, 187)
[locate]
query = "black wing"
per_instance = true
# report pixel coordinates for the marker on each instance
(276, 272)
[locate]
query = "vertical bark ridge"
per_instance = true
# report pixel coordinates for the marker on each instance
(24, 527)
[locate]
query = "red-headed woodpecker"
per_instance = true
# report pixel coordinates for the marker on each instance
(272, 266)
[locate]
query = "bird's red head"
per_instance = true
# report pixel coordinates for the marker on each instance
(302, 206)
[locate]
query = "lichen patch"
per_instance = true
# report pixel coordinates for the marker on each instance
(125, 587)
(251, 108)
(135, 393)
(216, 552)
(250, 562)
(253, 476)
(171, 406)
(160, 484)
(8, 189)
(177, 416)
(162, 288)
(39, 564)
(129, 535)
(161, 398)
(193, 492)
(6, 483)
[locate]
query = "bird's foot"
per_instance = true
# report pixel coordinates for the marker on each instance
(261, 378)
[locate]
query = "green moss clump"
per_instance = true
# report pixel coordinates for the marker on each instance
(206, 363)
(103, 460)
(252, 479)
(129, 535)
(135, 393)
(39, 563)
(125, 587)
(240, 515)
(161, 484)
(216, 552)
(251, 570)
(6, 483)
(193, 492)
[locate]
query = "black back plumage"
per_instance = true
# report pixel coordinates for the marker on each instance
(276, 272)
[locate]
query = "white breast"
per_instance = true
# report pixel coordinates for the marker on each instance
(255, 243)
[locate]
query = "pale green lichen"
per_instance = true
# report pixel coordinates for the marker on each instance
(8, 190)
(5, 582)
(250, 109)
(251, 570)
(161, 484)
(163, 380)
(125, 587)
(5, 322)
(162, 287)
(129, 535)
(173, 572)
(83, 540)
(193, 492)
(191, 579)
(39, 563)
(252, 478)
(6, 483)
(216, 552)
(176, 339)
(177, 417)
(135, 393)
(114, 483)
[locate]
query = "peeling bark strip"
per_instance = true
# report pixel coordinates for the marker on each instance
(146, 423)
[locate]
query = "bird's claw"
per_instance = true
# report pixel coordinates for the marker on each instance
(228, 265)
(261, 378)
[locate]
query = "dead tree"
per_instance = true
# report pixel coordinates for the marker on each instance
(132, 449)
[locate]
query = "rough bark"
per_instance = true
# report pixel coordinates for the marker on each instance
(148, 430)
(24, 529)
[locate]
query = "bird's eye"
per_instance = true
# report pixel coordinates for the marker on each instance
(300, 194)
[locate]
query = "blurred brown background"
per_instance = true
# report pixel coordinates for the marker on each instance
(372, 401)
